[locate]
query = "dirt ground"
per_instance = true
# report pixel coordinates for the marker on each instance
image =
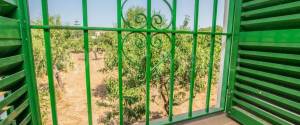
(72, 104)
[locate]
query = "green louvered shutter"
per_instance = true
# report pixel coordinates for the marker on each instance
(16, 90)
(265, 69)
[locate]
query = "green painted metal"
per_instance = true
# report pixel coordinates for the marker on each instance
(211, 55)
(49, 62)
(11, 62)
(243, 117)
(34, 113)
(284, 80)
(257, 4)
(286, 114)
(275, 67)
(273, 10)
(13, 97)
(126, 29)
(185, 117)
(149, 30)
(229, 42)
(270, 22)
(11, 117)
(9, 46)
(7, 7)
(87, 62)
(194, 51)
(233, 54)
(273, 37)
(11, 80)
(26, 120)
(261, 113)
(275, 98)
(261, 63)
(16, 66)
(270, 55)
(268, 85)
(120, 60)
(265, 73)
(148, 61)
(172, 70)
(9, 28)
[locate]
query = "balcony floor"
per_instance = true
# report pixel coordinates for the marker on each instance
(219, 119)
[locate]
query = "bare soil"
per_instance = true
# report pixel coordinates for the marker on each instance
(72, 104)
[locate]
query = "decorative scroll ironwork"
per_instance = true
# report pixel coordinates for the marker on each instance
(135, 53)
(138, 51)
(157, 20)
(136, 47)
(137, 40)
(157, 39)
(159, 45)
(139, 21)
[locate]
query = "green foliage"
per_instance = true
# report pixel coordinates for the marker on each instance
(134, 65)
(63, 42)
(135, 18)
(44, 102)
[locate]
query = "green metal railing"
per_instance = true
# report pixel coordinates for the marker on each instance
(148, 29)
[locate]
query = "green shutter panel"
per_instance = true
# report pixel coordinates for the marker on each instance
(15, 101)
(266, 62)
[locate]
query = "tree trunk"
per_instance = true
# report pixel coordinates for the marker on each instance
(58, 78)
(164, 95)
(95, 55)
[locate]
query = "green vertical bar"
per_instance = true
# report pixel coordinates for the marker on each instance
(120, 60)
(234, 53)
(211, 56)
(227, 53)
(173, 40)
(87, 61)
(148, 61)
(49, 61)
(194, 51)
(29, 62)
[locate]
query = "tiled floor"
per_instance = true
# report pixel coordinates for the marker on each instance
(220, 119)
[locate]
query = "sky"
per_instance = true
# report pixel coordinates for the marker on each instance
(103, 13)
